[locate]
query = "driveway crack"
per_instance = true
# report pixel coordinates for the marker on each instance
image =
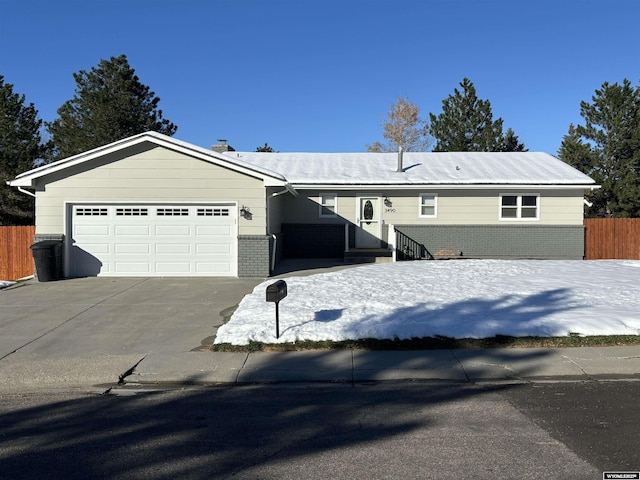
(124, 375)
(466, 375)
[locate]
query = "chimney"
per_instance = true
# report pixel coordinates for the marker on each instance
(400, 166)
(222, 146)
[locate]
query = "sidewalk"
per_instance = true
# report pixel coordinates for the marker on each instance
(101, 373)
(353, 366)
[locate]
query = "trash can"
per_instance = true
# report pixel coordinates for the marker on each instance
(47, 256)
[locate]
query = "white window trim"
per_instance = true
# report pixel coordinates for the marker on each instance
(435, 206)
(518, 207)
(321, 206)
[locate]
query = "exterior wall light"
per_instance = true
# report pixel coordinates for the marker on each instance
(245, 212)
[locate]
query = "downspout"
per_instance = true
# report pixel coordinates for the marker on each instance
(26, 192)
(269, 232)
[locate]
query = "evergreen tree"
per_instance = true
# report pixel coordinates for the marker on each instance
(110, 103)
(403, 128)
(21, 147)
(511, 143)
(466, 123)
(265, 148)
(611, 154)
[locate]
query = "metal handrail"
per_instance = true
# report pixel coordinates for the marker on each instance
(409, 249)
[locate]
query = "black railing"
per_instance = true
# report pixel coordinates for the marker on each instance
(408, 249)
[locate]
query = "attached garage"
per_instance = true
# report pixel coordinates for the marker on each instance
(152, 240)
(151, 205)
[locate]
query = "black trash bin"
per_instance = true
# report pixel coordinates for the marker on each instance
(47, 256)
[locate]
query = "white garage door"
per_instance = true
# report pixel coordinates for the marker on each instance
(153, 240)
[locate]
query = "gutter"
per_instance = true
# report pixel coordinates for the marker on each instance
(443, 186)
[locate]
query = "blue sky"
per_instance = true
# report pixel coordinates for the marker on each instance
(311, 75)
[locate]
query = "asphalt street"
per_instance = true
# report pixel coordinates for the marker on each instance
(408, 430)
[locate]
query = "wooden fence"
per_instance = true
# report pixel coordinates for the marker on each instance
(612, 238)
(16, 260)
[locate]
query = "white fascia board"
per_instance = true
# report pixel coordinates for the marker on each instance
(436, 186)
(26, 179)
(226, 161)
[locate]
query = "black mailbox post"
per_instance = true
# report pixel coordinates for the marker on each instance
(276, 292)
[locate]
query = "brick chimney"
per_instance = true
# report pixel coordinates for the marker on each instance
(222, 146)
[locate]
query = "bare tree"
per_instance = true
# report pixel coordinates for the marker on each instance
(403, 128)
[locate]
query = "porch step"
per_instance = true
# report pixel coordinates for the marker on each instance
(368, 255)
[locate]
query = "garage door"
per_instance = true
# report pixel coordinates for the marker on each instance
(153, 240)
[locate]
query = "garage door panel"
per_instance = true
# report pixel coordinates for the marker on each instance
(131, 230)
(132, 248)
(173, 230)
(173, 267)
(99, 248)
(148, 240)
(211, 248)
(214, 268)
(97, 230)
(136, 268)
(214, 230)
(172, 249)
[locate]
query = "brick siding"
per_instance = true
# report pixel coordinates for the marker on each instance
(254, 255)
(500, 241)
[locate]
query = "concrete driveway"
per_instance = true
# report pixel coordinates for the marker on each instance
(89, 329)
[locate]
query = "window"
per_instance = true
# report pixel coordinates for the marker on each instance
(328, 205)
(519, 206)
(428, 205)
(213, 212)
(91, 212)
(172, 212)
(131, 212)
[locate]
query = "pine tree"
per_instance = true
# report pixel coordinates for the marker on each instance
(511, 143)
(110, 103)
(466, 123)
(611, 155)
(21, 147)
(265, 148)
(403, 128)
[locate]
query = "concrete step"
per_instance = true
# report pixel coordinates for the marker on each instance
(368, 255)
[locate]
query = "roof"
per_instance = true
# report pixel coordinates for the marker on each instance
(360, 170)
(426, 168)
(26, 179)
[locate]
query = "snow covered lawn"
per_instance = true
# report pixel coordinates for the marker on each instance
(457, 298)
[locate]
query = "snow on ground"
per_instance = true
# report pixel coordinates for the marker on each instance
(457, 298)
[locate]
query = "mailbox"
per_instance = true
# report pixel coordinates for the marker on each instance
(276, 291)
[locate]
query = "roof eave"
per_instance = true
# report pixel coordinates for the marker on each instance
(442, 186)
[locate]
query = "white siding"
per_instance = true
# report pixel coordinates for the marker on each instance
(455, 207)
(148, 175)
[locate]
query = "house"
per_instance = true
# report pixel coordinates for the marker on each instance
(151, 205)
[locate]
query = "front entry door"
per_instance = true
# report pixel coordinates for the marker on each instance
(368, 222)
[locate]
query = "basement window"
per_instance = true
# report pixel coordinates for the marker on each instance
(519, 207)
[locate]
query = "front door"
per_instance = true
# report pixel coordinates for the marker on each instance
(368, 222)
